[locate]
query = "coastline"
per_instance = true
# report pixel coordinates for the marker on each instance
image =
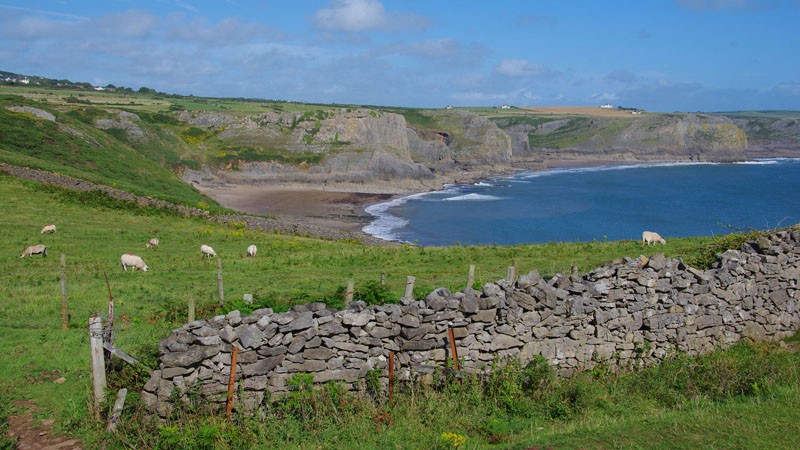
(343, 207)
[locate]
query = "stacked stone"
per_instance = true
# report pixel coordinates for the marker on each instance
(629, 312)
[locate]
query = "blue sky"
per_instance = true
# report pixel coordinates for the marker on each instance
(660, 55)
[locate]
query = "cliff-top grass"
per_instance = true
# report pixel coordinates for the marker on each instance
(288, 270)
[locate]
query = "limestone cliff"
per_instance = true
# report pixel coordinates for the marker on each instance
(392, 150)
(647, 137)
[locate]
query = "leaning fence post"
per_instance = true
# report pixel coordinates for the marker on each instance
(348, 294)
(98, 361)
(219, 280)
(116, 413)
(64, 311)
(471, 276)
(409, 287)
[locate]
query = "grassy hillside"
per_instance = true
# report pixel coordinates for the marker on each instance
(73, 146)
(288, 270)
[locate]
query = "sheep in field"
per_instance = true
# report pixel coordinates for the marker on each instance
(207, 251)
(251, 251)
(34, 250)
(152, 243)
(133, 261)
(650, 237)
(48, 229)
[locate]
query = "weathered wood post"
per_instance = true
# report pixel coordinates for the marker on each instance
(98, 361)
(108, 331)
(219, 281)
(64, 311)
(190, 316)
(471, 276)
(116, 413)
(231, 383)
(409, 288)
(348, 293)
(391, 376)
(383, 278)
(512, 273)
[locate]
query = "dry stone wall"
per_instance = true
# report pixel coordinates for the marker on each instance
(626, 313)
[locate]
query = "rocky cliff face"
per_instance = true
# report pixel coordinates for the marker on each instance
(365, 147)
(358, 146)
(650, 137)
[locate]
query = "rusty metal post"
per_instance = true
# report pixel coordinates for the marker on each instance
(453, 352)
(231, 382)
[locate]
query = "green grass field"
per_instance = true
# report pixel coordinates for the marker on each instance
(745, 397)
(288, 270)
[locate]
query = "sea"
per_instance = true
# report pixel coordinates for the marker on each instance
(598, 203)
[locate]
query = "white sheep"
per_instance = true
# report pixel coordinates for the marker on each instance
(650, 237)
(34, 250)
(48, 229)
(251, 251)
(133, 261)
(152, 243)
(207, 251)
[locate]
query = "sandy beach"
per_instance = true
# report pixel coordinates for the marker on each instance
(336, 210)
(310, 205)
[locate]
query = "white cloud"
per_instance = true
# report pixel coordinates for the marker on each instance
(520, 68)
(364, 15)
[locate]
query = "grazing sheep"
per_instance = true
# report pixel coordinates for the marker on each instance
(49, 229)
(34, 250)
(649, 237)
(133, 261)
(207, 251)
(251, 251)
(152, 243)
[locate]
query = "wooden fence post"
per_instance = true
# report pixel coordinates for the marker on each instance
(98, 361)
(409, 287)
(512, 273)
(108, 332)
(471, 276)
(348, 294)
(64, 311)
(116, 413)
(231, 382)
(219, 281)
(383, 278)
(391, 376)
(190, 317)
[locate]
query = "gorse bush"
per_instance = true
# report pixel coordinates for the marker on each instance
(705, 257)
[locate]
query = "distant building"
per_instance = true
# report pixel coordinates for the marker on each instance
(607, 106)
(505, 107)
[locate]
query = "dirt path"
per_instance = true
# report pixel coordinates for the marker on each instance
(31, 434)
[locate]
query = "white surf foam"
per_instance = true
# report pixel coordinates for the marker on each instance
(471, 197)
(385, 224)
